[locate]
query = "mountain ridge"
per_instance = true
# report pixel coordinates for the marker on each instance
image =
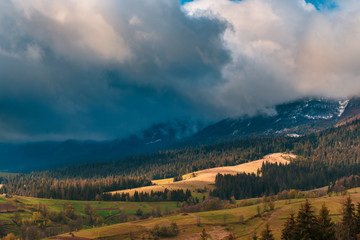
(292, 120)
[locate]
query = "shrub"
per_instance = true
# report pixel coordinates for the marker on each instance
(165, 230)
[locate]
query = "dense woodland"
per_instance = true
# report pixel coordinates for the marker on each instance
(332, 147)
(274, 178)
(42, 186)
(322, 158)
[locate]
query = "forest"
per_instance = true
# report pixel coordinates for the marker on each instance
(41, 186)
(321, 158)
(274, 178)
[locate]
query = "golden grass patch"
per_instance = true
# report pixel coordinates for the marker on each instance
(206, 178)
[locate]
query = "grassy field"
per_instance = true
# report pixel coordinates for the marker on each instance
(206, 178)
(220, 223)
(103, 208)
(110, 211)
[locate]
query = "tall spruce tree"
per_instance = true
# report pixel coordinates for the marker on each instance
(289, 228)
(307, 226)
(357, 218)
(348, 223)
(326, 226)
(266, 233)
(204, 235)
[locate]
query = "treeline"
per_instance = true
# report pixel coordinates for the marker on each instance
(173, 163)
(178, 195)
(274, 178)
(41, 186)
(332, 147)
(308, 226)
(341, 185)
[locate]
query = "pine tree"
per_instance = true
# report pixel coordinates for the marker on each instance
(232, 236)
(326, 226)
(203, 235)
(348, 223)
(254, 237)
(2, 229)
(307, 226)
(289, 228)
(357, 218)
(266, 234)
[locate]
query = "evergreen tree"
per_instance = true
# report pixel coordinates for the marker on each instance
(232, 236)
(357, 218)
(204, 235)
(289, 228)
(326, 226)
(254, 237)
(307, 226)
(2, 229)
(266, 234)
(348, 223)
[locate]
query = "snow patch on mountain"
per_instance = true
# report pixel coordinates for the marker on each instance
(343, 104)
(319, 117)
(156, 141)
(293, 135)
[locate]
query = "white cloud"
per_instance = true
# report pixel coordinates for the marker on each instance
(73, 29)
(282, 50)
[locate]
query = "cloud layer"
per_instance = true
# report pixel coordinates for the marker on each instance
(91, 69)
(282, 50)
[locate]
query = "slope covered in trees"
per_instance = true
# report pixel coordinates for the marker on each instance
(331, 147)
(322, 158)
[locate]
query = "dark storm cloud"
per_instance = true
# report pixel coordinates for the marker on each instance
(99, 70)
(104, 69)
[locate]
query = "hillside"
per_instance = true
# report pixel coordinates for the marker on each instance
(219, 224)
(17, 211)
(206, 178)
(322, 158)
(292, 119)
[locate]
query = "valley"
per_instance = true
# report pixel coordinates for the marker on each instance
(179, 120)
(233, 187)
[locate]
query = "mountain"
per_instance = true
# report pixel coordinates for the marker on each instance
(292, 119)
(33, 156)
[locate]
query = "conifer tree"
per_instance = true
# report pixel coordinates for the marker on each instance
(203, 235)
(266, 234)
(357, 218)
(348, 223)
(254, 237)
(232, 236)
(289, 228)
(326, 226)
(307, 226)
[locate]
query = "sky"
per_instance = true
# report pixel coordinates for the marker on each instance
(90, 69)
